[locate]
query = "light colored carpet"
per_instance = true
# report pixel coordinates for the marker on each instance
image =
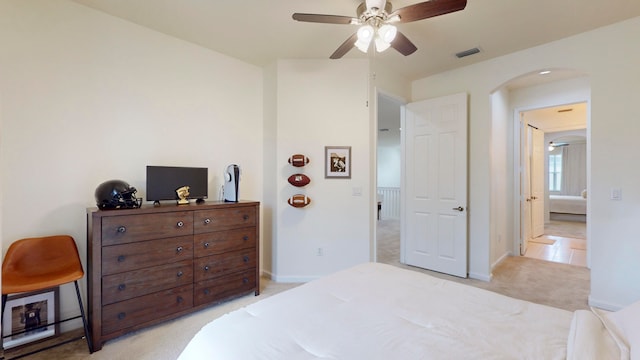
(549, 283)
(160, 342)
(558, 285)
(572, 229)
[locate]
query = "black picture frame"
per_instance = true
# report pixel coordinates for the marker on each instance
(30, 317)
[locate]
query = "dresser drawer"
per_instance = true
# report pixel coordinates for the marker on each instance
(146, 308)
(145, 281)
(222, 219)
(127, 229)
(218, 242)
(143, 254)
(218, 265)
(224, 287)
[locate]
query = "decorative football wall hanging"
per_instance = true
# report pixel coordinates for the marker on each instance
(299, 200)
(298, 160)
(299, 180)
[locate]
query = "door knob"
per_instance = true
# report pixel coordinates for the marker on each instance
(459, 208)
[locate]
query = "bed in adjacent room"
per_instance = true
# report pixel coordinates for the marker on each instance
(378, 311)
(567, 204)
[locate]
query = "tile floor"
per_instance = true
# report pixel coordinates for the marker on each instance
(560, 249)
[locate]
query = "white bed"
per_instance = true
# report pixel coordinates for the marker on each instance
(567, 204)
(377, 311)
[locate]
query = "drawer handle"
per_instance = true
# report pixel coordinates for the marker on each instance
(180, 274)
(206, 245)
(245, 258)
(121, 316)
(207, 221)
(121, 287)
(180, 224)
(207, 291)
(179, 249)
(179, 299)
(245, 238)
(245, 280)
(245, 217)
(121, 258)
(206, 268)
(122, 229)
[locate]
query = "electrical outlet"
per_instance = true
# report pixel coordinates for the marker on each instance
(319, 251)
(616, 194)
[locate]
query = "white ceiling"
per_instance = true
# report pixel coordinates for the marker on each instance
(261, 31)
(559, 118)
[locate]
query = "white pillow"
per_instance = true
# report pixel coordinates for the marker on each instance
(627, 320)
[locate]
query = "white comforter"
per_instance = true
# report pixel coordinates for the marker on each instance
(377, 311)
(567, 204)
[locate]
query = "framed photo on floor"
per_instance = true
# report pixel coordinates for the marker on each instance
(30, 317)
(337, 161)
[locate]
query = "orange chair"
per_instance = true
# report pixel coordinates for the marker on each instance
(42, 263)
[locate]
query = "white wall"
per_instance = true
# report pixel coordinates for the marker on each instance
(609, 56)
(270, 165)
(501, 163)
(322, 103)
(88, 97)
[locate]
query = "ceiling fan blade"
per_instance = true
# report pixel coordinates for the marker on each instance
(403, 44)
(345, 47)
(325, 19)
(428, 9)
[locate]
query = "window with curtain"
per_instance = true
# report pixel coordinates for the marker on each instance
(555, 172)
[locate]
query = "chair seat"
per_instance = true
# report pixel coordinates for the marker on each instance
(40, 263)
(22, 282)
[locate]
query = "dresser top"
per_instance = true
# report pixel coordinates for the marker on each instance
(169, 207)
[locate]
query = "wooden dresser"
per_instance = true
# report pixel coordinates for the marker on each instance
(153, 264)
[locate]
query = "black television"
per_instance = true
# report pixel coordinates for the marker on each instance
(163, 181)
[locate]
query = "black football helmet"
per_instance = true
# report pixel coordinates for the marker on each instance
(116, 194)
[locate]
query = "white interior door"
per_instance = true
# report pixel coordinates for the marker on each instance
(434, 168)
(537, 183)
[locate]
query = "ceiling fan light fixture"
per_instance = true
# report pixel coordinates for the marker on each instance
(387, 33)
(365, 35)
(381, 45)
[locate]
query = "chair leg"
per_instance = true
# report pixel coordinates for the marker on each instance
(84, 319)
(4, 302)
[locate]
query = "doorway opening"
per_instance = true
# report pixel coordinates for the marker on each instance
(554, 185)
(389, 159)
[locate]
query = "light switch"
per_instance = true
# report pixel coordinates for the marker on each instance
(616, 194)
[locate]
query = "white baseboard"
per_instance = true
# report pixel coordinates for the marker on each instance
(500, 259)
(604, 305)
(483, 277)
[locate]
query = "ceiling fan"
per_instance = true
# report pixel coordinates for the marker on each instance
(376, 19)
(553, 145)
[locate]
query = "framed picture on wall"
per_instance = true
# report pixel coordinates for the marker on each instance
(30, 316)
(337, 161)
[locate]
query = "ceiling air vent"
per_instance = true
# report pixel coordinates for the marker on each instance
(472, 51)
